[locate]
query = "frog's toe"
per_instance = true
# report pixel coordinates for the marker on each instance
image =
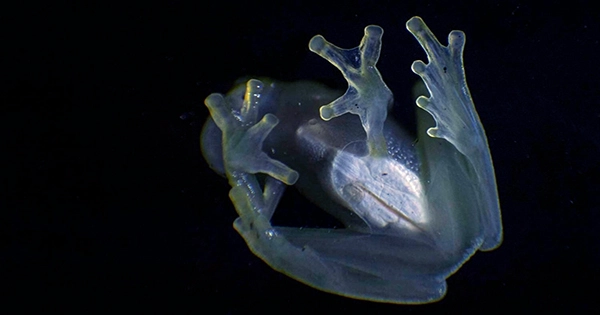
(348, 103)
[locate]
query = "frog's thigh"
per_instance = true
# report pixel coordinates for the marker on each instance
(373, 267)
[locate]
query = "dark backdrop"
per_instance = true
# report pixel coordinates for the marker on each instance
(106, 201)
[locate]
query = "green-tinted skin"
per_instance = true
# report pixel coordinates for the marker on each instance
(413, 212)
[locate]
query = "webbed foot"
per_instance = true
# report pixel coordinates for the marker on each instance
(450, 102)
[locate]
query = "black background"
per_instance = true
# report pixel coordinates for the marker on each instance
(107, 204)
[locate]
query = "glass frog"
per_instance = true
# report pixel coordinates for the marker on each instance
(413, 211)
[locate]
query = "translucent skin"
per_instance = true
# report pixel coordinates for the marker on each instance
(412, 213)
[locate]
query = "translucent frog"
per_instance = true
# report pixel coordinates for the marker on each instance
(413, 211)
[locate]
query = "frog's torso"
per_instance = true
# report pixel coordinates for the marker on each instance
(333, 161)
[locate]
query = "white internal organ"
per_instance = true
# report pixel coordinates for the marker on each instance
(382, 191)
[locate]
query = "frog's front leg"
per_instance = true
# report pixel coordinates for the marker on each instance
(243, 158)
(367, 95)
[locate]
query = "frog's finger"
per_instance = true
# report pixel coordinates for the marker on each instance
(219, 111)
